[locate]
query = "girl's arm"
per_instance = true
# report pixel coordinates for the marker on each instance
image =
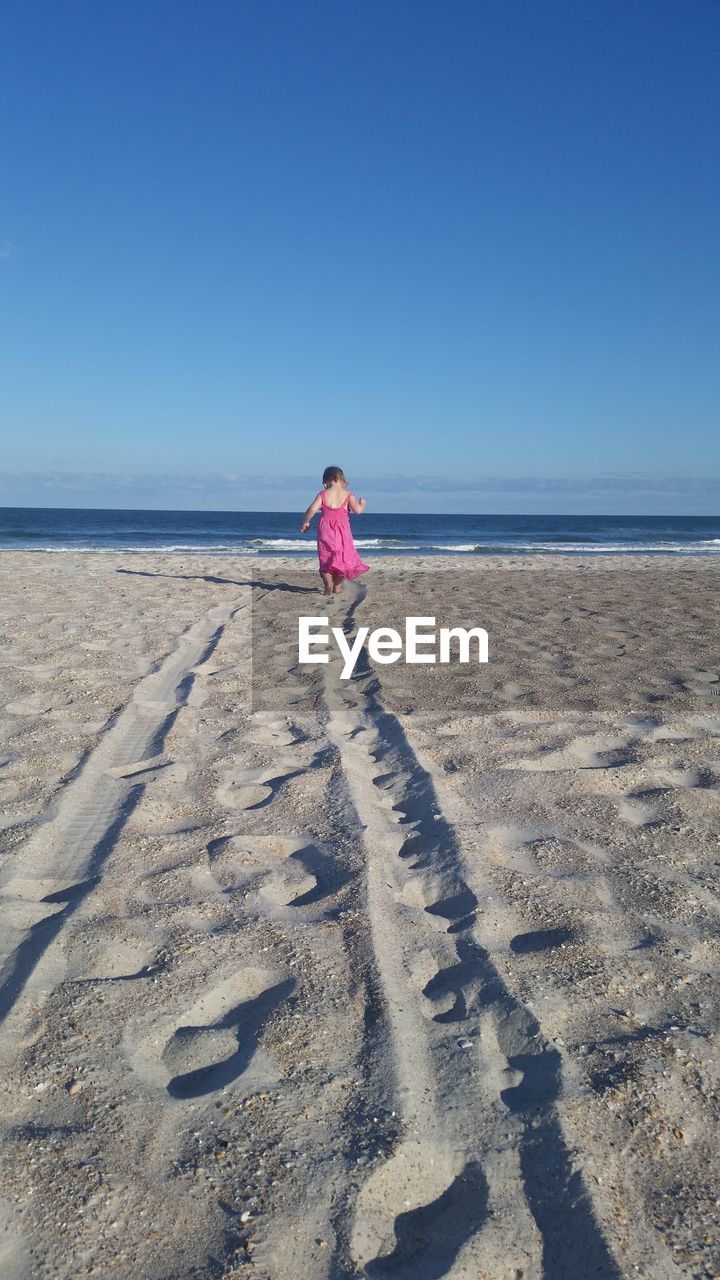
(357, 504)
(315, 505)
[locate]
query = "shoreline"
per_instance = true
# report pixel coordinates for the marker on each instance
(459, 562)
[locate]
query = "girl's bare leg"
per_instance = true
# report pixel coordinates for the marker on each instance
(337, 584)
(327, 583)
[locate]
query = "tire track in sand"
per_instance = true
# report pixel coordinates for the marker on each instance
(58, 865)
(482, 1182)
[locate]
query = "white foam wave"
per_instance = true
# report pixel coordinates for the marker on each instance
(256, 546)
(308, 544)
(451, 546)
(212, 548)
(283, 544)
(590, 548)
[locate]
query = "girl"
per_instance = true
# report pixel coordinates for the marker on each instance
(336, 549)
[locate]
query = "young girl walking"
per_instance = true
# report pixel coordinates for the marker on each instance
(336, 549)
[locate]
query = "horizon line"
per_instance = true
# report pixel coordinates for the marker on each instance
(290, 511)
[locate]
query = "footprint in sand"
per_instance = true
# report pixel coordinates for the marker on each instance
(448, 991)
(642, 808)
(252, 788)
(447, 900)
(423, 967)
(230, 856)
(273, 730)
(539, 940)
(416, 1212)
(599, 752)
(304, 879)
(216, 1042)
(120, 961)
(288, 886)
(283, 871)
(688, 777)
(513, 692)
(640, 724)
(703, 683)
(181, 884)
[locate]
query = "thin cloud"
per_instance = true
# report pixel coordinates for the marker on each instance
(9, 249)
(640, 484)
(540, 485)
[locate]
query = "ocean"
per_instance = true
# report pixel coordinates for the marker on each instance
(262, 533)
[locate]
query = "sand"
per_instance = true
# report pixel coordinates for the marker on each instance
(411, 975)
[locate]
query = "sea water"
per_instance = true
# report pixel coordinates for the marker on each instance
(263, 533)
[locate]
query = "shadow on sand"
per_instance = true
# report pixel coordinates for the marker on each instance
(231, 582)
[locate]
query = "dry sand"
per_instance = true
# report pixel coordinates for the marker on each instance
(412, 975)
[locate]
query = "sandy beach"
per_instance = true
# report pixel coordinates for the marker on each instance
(409, 975)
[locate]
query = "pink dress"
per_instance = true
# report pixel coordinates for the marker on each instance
(336, 549)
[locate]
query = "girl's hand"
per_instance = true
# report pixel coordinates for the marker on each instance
(304, 527)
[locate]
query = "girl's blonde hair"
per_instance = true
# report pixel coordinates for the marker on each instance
(333, 474)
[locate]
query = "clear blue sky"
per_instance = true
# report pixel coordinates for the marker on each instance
(471, 241)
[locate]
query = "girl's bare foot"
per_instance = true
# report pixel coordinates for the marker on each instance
(328, 580)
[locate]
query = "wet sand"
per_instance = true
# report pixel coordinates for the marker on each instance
(408, 975)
